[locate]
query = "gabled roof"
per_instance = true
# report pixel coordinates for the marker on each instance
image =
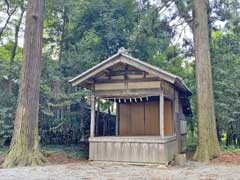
(122, 57)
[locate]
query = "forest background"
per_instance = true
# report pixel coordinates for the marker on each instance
(80, 34)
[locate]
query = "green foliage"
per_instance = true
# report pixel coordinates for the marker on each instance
(3, 150)
(226, 73)
(5, 54)
(7, 110)
(88, 32)
(79, 35)
(7, 101)
(73, 151)
(231, 148)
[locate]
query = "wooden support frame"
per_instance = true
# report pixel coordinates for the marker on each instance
(127, 93)
(175, 110)
(117, 120)
(92, 123)
(132, 84)
(128, 80)
(161, 113)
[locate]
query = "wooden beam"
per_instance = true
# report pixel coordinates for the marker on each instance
(126, 72)
(108, 73)
(92, 123)
(161, 111)
(128, 80)
(117, 120)
(107, 70)
(146, 67)
(174, 114)
(90, 81)
(93, 71)
(131, 93)
(144, 75)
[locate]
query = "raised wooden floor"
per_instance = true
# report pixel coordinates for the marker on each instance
(135, 149)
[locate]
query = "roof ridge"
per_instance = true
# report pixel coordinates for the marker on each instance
(172, 78)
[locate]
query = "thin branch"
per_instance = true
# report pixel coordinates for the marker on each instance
(183, 29)
(56, 127)
(9, 13)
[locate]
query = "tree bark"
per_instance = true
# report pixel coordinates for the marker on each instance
(24, 149)
(208, 145)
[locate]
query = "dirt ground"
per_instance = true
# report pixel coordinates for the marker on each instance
(107, 171)
(228, 158)
(62, 167)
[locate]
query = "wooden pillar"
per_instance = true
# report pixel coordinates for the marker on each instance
(92, 123)
(175, 111)
(117, 119)
(177, 121)
(161, 111)
(97, 118)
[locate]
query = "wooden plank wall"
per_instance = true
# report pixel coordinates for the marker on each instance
(124, 114)
(168, 118)
(133, 88)
(127, 85)
(152, 122)
(142, 118)
(125, 151)
(137, 118)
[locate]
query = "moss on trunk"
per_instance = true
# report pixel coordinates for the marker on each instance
(20, 155)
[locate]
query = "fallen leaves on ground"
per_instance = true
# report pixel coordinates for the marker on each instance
(58, 158)
(228, 158)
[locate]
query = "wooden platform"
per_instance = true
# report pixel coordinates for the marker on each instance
(135, 149)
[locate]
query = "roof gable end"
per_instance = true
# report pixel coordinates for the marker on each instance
(122, 57)
(126, 59)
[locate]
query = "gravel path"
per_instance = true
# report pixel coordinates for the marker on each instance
(99, 171)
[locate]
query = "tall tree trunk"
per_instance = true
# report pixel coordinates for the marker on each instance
(24, 149)
(14, 49)
(208, 146)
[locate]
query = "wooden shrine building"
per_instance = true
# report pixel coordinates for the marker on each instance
(151, 109)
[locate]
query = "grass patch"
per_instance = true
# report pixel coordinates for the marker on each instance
(231, 148)
(191, 142)
(3, 150)
(73, 151)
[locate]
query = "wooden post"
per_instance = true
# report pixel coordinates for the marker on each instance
(175, 110)
(92, 125)
(161, 111)
(97, 115)
(177, 122)
(117, 119)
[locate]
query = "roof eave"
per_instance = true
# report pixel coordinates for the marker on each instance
(183, 87)
(176, 80)
(91, 69)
